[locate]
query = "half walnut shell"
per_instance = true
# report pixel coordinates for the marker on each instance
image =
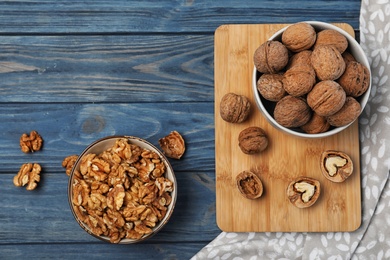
(336, 166)
(303, 192)
(249, 184)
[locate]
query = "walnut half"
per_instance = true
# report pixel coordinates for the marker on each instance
(28, 174)
(336, 166)
(303, 192)
(173, 145)
(30, 143)
(249, 184)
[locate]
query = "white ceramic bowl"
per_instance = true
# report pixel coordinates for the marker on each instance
(267, 107)
(102, 145)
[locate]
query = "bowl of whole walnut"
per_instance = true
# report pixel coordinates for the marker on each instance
(122, 189)
(311, 79)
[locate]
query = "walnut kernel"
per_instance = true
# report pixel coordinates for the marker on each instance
(69, 162)
(336, 166)
(28, 174)
(303, 192)
(173, 145)
(31, 143)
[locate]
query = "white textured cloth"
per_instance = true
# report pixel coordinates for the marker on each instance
(372, 239)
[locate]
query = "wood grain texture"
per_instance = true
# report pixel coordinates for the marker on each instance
(157, 68)
(68, 129)
(78, 17)
(286, 158)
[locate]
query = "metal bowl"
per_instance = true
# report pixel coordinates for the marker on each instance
(102, 145)
(267, 107)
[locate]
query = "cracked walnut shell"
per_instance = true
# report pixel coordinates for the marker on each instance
(234, 108)
(173, 145)
(249, 185)
(336, 166)
(303, 192)
(28, 175)
(252, 140)
(30, 143)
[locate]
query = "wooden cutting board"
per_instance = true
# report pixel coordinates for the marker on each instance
(287, 157)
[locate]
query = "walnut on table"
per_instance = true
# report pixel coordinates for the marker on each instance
(28, 175)
(336, 166)
(173, 145)
(30, 143)
(303, 192)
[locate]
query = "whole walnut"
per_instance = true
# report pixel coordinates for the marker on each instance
(234, 108)
(326, 98)
(355, 80)
(252, 140)
(299, 36)
(270, 57)
(302, 57)
(292, 111)
(317, 124)
(270, 86)
(348, 57)
(299, 80)
(327, 62)
(332, 37)
(347, 114)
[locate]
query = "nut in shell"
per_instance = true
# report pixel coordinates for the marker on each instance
(317, 124)
(326, 98)
(303, 192)
(336, 166)
(271, 87)
(355, 79)
(249, 185)
(299, 80)
(347, 114)
(252, 140)
(298, 37)
(333, 38)
(327, 62)
(292, 112)
(234, 108)
(270, 57)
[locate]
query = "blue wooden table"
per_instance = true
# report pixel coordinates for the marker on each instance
(77, 71)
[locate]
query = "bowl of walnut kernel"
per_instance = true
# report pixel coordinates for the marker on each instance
(311, 79)
(122, 189)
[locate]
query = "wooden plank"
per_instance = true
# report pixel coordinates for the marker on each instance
(102, 251)
(163, 16)
(43, 215)
(287, 157)
(68, 128)
(150, 68)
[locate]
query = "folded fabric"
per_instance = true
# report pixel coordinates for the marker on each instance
(371, 240)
